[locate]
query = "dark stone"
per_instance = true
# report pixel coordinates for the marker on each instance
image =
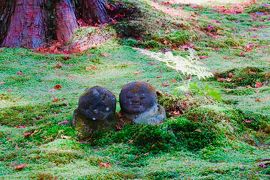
(96, 111)
(138, 101)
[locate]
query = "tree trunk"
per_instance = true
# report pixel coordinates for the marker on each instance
(94, 10)
(27, 25)
(66, 23)
(6, 10)
(31, 23)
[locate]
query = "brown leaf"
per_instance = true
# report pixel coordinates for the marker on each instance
(258, 84)
(221, 79)
(66, 57)
(258, 100)
(2, 82)
(91, 68)
(104, 54)
(21, 127)
(20, 73)
(174, 81)
(230, 75)
(247, 121)
(137, 72)
(58, 65)
(20, 167)
(165, 84)
(65, 122)
(55, 99)
(242, 54)
(203, 57)
(57, 87)
(104, 165)
(27, 134)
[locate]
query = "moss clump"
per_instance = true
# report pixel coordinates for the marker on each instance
(43, 176)
(51, 132)
(163, 175)
(179, 133)
(176, 38)
(240, 92)
(260, 8)
(175, 105)
(130, 42)
(152, 44)
(193, 135)
(30, 114)
(248, 76)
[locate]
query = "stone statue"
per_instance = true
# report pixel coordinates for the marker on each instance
(138, 101)
(96, 111)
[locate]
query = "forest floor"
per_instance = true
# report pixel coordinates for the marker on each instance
(224, 132)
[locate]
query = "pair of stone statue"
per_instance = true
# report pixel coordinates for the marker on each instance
(97, 107)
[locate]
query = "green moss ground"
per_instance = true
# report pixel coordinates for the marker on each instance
(223, 134)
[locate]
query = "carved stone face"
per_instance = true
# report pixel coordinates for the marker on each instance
(137, 97)
(97, 104)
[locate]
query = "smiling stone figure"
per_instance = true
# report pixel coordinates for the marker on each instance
(96, 110)
(138, 101)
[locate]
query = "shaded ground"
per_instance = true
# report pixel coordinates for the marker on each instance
(214, 139)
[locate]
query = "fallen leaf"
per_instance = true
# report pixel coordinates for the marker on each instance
(221, 79)
(105, 165)
(203, 57)
(65, 122)
(258, 84)
(67, 57)
(104, 54)
(55, 99)
(2, 82)
(21, 127)
(91, 68)
(58, 65)
(27, 134)
(242, 54)
(249, 47)
(174, 81)
(262, 165)
(20, 73)
(165, 84)
(20, 167)
(57, 87)
(247, 121)
(258, 100)
(137, 72)
(230, 75)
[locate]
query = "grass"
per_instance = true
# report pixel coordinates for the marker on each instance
(223, 132)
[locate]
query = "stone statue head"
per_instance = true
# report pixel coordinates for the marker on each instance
(97, 104)
(137, 97)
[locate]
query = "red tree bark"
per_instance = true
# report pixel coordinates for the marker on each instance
(31, 23)
(66, 23)
(94, 10)
(27, 25)
(6, 9)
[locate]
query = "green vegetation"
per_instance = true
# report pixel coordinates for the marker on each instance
(218, 128)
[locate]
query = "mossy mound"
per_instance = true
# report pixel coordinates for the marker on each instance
(174, 134)
(249, 76)
(32, 114)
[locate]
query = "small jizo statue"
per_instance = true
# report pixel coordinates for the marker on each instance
(138, 101)
(96, 111)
